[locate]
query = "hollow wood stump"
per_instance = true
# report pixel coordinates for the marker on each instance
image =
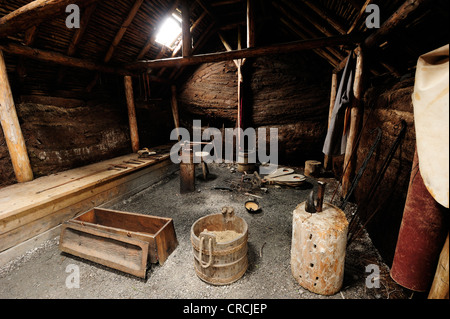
(312, 168)
(318, 249)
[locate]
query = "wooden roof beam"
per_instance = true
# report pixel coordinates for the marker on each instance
(400, 15)
(34, 13)
(245, 53)
(58, 58)
(123, 28)
(317, 24)
(360, 15)
(328, 52)
(325, 55)
(119, 35)
(30, 36)
(327, 16)
(77, 36)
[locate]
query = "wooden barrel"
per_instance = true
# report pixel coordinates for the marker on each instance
(318, 248)
(220, 260)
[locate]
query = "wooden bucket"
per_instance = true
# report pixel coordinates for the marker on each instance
(243, 164)
(220, 261)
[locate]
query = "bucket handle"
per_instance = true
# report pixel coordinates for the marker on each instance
(210, 244)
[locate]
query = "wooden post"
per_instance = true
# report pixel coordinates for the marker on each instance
(186, 28)
(251, 39)
(175, 110)
(355, 122)
(239, 106)
(439, 288)
(131, 113)
(328, 158)
(11, 128)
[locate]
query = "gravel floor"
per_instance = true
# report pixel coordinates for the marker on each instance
(43, 272)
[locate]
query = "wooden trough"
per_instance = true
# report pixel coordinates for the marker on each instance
(120, 240)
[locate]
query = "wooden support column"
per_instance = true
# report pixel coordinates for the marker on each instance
(11, 128)
(131, 113)
(186, 28)
(334, 83)
(355, 124)
(251, 39)
(175, 110)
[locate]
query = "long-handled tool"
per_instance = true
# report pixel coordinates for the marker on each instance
(374, 186)
(361, 169)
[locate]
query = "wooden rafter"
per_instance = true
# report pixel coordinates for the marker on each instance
(34, 13)
(326, 15)
(319, 25)
(77, 36)
(400, 15)
(29, 38)
(119, 35)
(322, 53)
(123, 29)
(58, 58)
(357, 20)
(330, 54)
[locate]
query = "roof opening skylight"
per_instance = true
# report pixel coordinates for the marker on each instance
(170, 31)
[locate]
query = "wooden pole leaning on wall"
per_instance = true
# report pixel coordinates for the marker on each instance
(355, 124)
(11, 128)
(128, 81)
(328, 159)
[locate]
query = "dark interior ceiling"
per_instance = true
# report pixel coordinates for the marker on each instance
(276, 22)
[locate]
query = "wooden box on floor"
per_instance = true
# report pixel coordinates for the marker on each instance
(120, 240)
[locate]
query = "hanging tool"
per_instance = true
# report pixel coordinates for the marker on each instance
(362, 169)
(374, 186)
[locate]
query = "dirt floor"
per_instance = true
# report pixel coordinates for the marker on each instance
(42, 272)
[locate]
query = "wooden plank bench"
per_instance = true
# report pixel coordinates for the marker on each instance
(32, 209)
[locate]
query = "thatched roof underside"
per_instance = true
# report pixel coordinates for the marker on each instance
(275, 21)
